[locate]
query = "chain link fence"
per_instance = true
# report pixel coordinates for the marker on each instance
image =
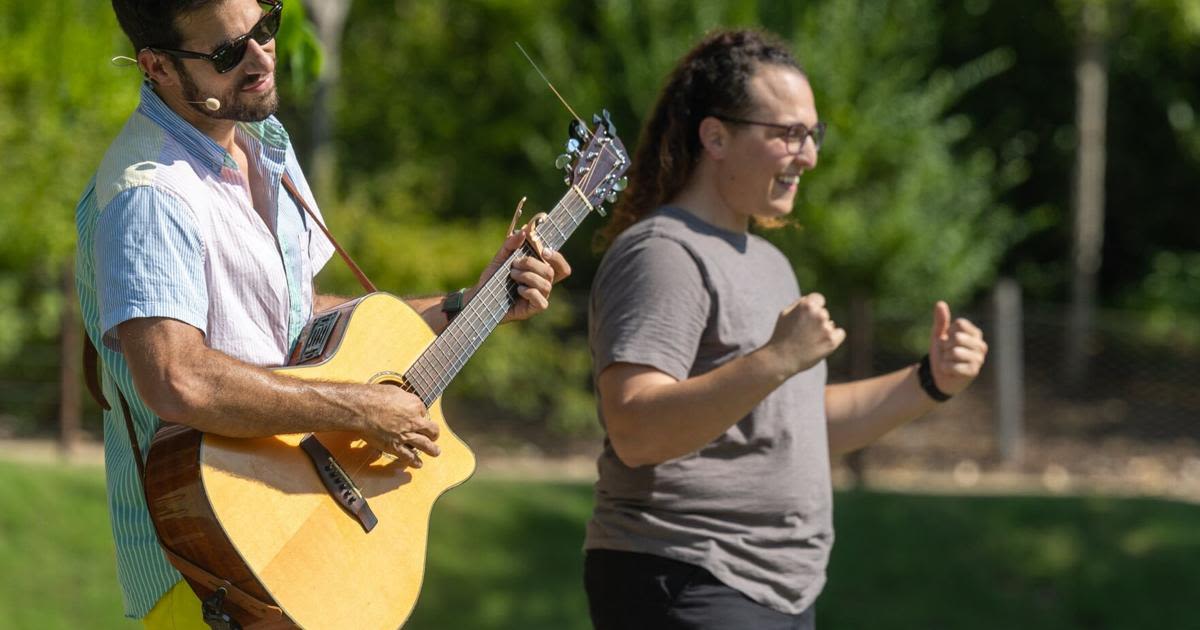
(1126, 421)
(1129, 423)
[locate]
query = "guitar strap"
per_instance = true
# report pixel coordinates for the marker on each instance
(267, 614)
(358, 273)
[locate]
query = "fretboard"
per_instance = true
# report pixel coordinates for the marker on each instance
(445, 357)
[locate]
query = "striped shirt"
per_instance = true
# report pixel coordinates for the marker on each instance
(169, 227)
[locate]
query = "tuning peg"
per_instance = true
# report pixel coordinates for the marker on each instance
(604, 118)
(611, 197)
(563, 162)
(578, 131)
(573, 146)
(621, 184)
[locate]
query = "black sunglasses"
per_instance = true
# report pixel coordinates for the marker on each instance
(227, 56)
(794, 135)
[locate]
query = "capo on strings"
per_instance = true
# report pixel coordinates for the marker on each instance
(530, 229)
(512, 226)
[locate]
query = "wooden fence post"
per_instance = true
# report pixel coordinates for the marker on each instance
(1009, 360)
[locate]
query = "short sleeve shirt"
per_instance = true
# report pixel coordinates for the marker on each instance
(170, 227)
(754, 506)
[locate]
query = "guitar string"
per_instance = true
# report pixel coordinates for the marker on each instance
(458, 348)
(496, 296)
(490, 293)
(489, 296)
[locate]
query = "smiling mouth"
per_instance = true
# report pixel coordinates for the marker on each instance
(257, 84)
(788, 180)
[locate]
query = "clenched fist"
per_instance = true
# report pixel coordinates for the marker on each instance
(804, 334)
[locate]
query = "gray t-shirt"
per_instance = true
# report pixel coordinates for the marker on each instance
(754, 506)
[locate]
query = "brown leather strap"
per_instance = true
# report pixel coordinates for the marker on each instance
(358, 273)
(193, 572)
(91, 372)
(133, 439)
(234, 594)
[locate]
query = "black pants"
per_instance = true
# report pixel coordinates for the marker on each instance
(636, 591)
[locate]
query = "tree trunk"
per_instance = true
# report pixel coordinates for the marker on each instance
(861, 336)
(329, 17)
(70, 357)
(1091, 77)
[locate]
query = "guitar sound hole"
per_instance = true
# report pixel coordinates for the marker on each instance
(395, 382)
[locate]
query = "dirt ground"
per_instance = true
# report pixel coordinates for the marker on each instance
(927, 457)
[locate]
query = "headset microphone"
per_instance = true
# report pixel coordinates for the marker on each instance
(209, 103)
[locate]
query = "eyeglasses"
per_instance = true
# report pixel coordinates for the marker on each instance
(793, 134)
(227, 56)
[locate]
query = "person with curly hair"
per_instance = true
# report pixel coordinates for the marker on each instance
(713, 507)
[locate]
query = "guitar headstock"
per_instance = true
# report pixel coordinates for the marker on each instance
(595, 162)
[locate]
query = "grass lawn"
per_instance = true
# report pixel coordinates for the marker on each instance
(506, 554)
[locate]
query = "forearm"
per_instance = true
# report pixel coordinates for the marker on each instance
(323, 303)
(861, 411)
(430, 310)
(225, 396)
(666, 419)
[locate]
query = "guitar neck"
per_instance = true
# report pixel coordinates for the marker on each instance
(432, 372)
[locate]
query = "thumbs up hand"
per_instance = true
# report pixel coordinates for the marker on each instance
(956, 350)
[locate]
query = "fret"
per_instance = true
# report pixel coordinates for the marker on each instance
(442, 360)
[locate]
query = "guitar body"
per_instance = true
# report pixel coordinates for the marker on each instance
(269, 519)
(255, 511)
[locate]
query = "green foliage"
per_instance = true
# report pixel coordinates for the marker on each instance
(896, 209)
(1169, 297)
(431, 173)
(946, 120)
(59, 106)
(1153, 143)
(299, 57)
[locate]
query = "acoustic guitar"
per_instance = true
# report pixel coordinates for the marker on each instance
(323, 527)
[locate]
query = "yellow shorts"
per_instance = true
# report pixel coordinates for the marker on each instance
(178, 609)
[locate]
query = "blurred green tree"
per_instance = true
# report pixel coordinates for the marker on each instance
(899, 213)
(943, 117)
(1152, 134)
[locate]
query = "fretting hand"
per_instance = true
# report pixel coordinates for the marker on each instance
(534, 278)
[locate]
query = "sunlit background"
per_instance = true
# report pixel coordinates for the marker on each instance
(1032, 162)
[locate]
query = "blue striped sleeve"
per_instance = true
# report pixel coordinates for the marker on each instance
(149, 262)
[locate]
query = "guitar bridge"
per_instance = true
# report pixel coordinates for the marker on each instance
(339, 484)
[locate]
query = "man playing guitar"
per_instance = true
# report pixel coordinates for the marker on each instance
(195, 272)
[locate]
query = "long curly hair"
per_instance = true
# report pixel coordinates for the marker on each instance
(712, 78)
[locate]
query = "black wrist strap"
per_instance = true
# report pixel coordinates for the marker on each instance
(453, 303)
(925, 377)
